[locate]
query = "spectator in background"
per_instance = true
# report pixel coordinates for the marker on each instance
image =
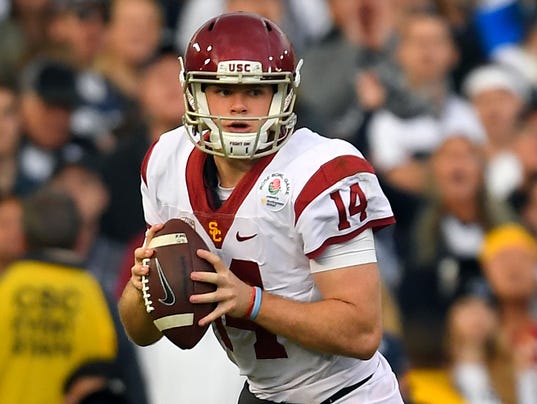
(48, 97)
(400, 142)
(361, 40)
(400, 146)
(133, 37)
(459, 16)
(77, 29)
(55, 314)
(472, 329)
(509, 259)
(428, 379)
(10, 136)
(100, 256)
(78, 33)
(502, 362)
(23, 35)
(82, 181)
(442, 256)
(32, 17)
(499, 96)
(162, 110)
(11, 235)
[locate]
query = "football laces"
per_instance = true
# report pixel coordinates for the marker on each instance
(148, 303)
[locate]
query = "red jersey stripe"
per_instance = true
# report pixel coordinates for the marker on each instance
(326, 176)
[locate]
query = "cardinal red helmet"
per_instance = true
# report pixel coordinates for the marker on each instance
(240, 48)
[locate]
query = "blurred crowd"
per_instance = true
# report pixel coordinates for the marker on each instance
(439, 95)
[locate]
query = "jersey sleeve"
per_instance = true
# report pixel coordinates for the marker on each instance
(338, 202)
(147, 188)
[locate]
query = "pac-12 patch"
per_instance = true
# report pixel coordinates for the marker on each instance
(274, 191)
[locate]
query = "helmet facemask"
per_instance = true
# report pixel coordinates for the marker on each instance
(206, 131)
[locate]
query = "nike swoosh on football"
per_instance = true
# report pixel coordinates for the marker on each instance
(169, 296)
(244, 238)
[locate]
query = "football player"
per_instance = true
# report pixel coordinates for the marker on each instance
(289, 216)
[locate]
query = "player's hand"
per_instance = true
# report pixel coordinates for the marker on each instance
(232, 295)
(140, 268)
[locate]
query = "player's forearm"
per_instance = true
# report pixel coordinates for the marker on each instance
(137, 323)
(331, 325)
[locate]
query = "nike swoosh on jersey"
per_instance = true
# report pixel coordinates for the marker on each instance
(169, 296)
(244, 238)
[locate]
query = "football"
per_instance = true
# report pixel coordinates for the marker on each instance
(167, 287)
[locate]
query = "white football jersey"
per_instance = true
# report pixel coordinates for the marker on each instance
(286, 210)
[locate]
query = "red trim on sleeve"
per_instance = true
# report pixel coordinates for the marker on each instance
(326, 176)
(145, 162)
(374, 224)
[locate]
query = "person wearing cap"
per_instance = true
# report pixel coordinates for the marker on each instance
(48, 97)
(509, 260)
(499, 95)
(508, 257)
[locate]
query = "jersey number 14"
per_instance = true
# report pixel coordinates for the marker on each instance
(357, 205)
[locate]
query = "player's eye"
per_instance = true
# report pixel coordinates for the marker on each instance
(258, 91)
(224, 91)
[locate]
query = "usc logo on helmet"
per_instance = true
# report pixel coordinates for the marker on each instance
(240, 66)
(215, 232)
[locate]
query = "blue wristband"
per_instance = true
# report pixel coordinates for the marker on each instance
(257, 303)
